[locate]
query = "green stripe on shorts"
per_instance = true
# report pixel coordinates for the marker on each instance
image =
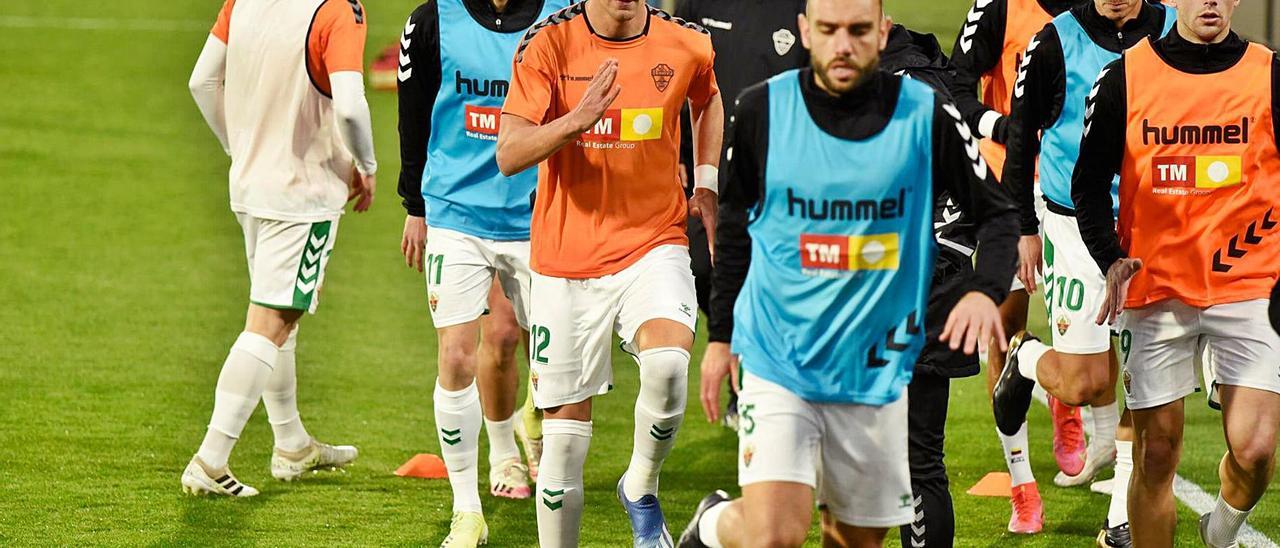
(308, 279)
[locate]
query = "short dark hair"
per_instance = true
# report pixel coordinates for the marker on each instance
(881, 2)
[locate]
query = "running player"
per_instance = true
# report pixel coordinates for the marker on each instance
(1057, 73)
(476, 256)
(609, 250)
(292, 120)
(1195, 259)
(832, 175)
(988, 50)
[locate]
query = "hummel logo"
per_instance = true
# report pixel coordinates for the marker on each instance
(662, 434)
(556, 504)
(686, 309)
(1022, 68)
(451, 437)
(1089, 101)
(971, 24)
(970, 146)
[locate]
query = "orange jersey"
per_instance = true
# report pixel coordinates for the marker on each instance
(613, 194)
(1022, 21)
(1200, 187)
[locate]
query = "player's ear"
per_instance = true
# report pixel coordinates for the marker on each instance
(803, 23)
(886, 25)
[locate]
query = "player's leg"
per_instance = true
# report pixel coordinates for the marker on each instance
(571, 364)
(778, 445)
(499, 382)
(512, 262)
(1158, 360)
(1245, 353)
(934, 523)
(656, 318)
(285, 261)
(865, 484)
(1026, 509)
(458, 276)
(1115, 531)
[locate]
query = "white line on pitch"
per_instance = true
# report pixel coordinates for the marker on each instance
(85, 23)
(1191, 495)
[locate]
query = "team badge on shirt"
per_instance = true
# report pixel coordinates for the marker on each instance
(783, 39)
(662, 74)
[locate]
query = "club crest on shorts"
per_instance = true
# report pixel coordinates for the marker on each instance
(434, 300)
(1128, 382)
(533, 378)
(748, 453)
(1063, 325)
(662, 74)
(783, 39)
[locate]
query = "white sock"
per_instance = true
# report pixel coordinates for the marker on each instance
(1105, 420)
(1029, 355)
(502, 440)
(240, 385)
(1015, 455)
(458, 428)
(664, 382)
(559, 495)
(707, 525)
(281, 399)
(1118, 513)
(1225, 523)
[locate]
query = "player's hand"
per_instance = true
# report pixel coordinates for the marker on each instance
(705, 205)
(362, 188)
(1030, 259)
(717, 363)
(974, 321)
(600, 94)
(1118, 277)
(414, 241)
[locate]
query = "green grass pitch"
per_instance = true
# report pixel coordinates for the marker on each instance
(122, 285)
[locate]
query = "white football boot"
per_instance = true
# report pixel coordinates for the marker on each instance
(198, 480)
(290, 465)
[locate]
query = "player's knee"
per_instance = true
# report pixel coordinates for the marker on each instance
(1160, 458)
(1254, 455)
(785, 534)
(457, 359)
(502, 339)
(664, 374)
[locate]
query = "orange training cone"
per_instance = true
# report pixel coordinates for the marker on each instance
(994, 484)
(426, 465)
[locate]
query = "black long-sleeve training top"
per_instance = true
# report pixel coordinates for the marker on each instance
(978, 51)
(1102, 148)
(1044, 88)
(856, 115)
(419, 87)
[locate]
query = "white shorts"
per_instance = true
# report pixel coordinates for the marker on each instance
(1074, 289)
(1160, 345)
(572, 321)
(1041, 209)
(286, 260)
(854, 456)
(460, 269)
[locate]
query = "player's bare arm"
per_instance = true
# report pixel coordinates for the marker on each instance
(708, 135)
(522, 144)
(413, 241)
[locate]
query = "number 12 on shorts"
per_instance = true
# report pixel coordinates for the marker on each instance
(539, 338)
